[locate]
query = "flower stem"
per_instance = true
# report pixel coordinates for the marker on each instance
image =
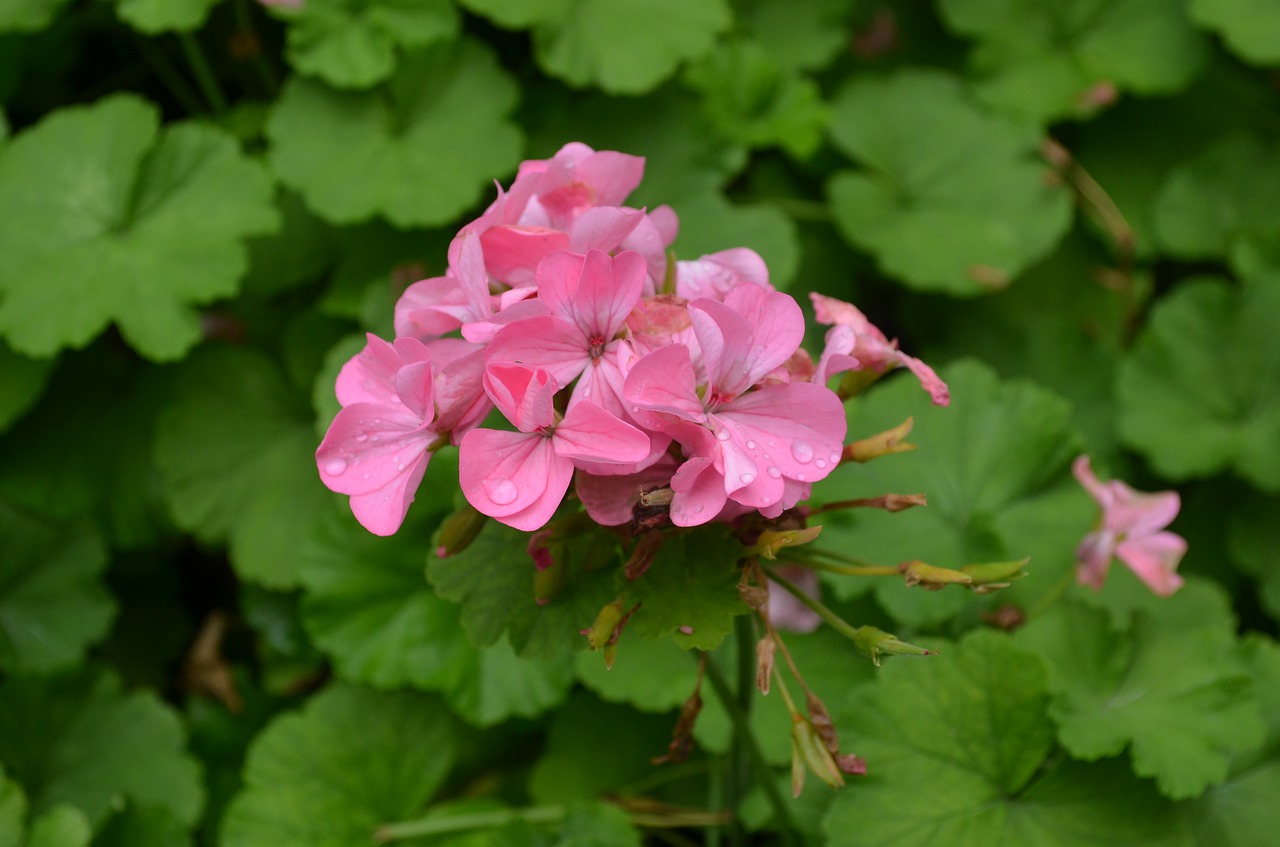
(837, 623)
(856, 567)
(461, 823)
(204, 73)
(763, 771)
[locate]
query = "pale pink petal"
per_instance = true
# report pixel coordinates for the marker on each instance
(1093, 558)
(649, 241)
(659, 321)
(383, 511)
(797, 428)
(777, 326)
(523, 395)
(716, 274)
(929, 380)
(482, 332)
(461, 401)
(466, 261)
(612, 175)
(603, 379)
(836, 354)
(591, 434)
(369, 376)
(1155, 558)
(512, 253)
(1137, 514)
(558, 277)
(788, 613)
(368, 445)
(829, 310)
(608, 291)
(698, 492)
(504, 473)
(431, 307)
(1083, 471)
(603, 228)
(663, 381)
(414, 388)
(549, 343)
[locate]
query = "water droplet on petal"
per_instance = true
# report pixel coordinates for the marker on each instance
(800, 477)
(772, 443)
(802, 451)
(635, 409)
(774, 472)
(335, 467)
(835, 458)
(362, 436)
(399, 466)
(820, 464)
(723, 435)
(751, 445)
(747, 478)
(500, 490)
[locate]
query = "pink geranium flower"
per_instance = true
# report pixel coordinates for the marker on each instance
(521, 477)
(854, 343)
(1131, 528)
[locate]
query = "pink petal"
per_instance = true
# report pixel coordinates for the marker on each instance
(1093, 559)
(431, 307)
(929, 380)
(609, 289)
(716, 274)
(466, 260)
(665, 224)
(799, 426)
(603, 379)
(663, 381)
(369, 445)
(549, 343)
(506, 474)
(591, 434)
(413, 387)
(612, 500)
(1155, 559)
(524, 396)
(512, 253)
(603, 228)
(612, 175)
(836, 354)
(1137, 514)
(383, 511)
(369, 376)
(649, 241)
(461, 401)
(1083, 471)
(698, 492)
(829, 310)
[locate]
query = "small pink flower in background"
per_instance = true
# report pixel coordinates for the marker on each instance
(854, 343)
(788, 613)
(1131, 528)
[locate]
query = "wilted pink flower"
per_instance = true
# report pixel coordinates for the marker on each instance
(1131, 529)
(854, 343)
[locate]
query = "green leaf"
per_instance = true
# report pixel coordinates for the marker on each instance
(1239, 812)
(353, 45)
(709, 223)
(368, 758)
(60, 826)
(993, 465)
(940, 170)
(804, 36)
(22, 381)
(82, 741)
(968, 730)
(418, 155)
(518, 14)
(156, 16)
(28, 15)
(154, 217)
(237, 455)
(652, 676)
(752, 100)
(1056, 60)
(1212, 206)
(1199, 392)
(626, 46)
(298, 254)
(52, 601)
(493, 581)
(1253, 537)
(598, 825)
(1251, 28)
(690, 589)
(1173, 690)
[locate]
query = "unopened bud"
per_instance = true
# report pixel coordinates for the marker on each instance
(642, 556)
(601, 631)
(931, 577)
(765, 649)
(992, 576)
(755, 596)
(772, 540)
(881, 444)
(458, 531)
(876, 642)
(809, 751)
(682, 737)
(822, 723)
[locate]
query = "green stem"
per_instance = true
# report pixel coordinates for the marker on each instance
(858, 567)
(169, 77)
(837, 623)
(204, 73)
(744, 688)
(461, 823)
(1053, 594)
(777, 801)
(265, 74)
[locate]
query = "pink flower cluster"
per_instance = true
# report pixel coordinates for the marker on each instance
(616, 370)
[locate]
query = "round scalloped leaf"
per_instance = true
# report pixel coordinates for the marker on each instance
(804, 36)
(155, 16)
(1216, 204)
(353, 45)
(60, 826)
(1199, 393)
(368, 758)
(1251, 28)
(237, 454)
(28, 16)
(1173, 689)
(994, 466)
(153, 218)
(22, 380)
(968, 730)
(418, 153)
(1062, 59)
(52, 601)
(951, 197)
(65, 739)
(626, 46)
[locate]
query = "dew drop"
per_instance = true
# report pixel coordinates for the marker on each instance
(501, 490)
(635, 409)
(335, 467)
(747, 478)
(800, 477)
(835, 458)
(723, 435)
(774, 472)
(362, 436)
(751, 445)
(772, 443)
(399, 466)
(375, 438)
(802, 451)
(820, 464)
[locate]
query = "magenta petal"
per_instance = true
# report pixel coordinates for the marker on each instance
(1155, 559)
(503, 473)
(591, 434)
(663, 381)
(369, 445)
(382, 511)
